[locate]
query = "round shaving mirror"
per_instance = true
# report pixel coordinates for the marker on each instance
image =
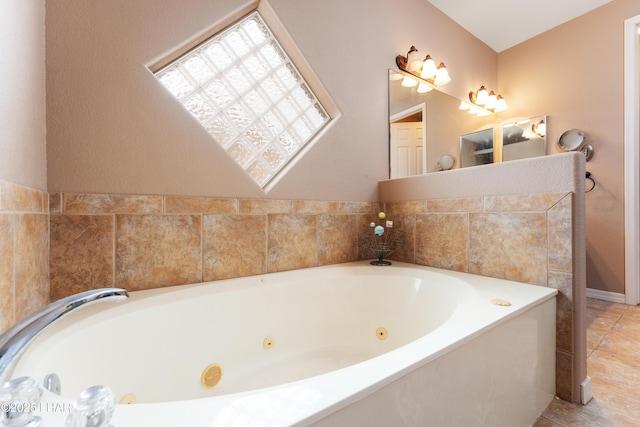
(571, 140)
(446, 162)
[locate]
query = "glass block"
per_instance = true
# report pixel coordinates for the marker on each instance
(272, 54)
(274, 157)
(199, 107)
(221, 131)
(299, 141)
(272, 89)
(218, 55)
(238, 116)
(303, 96)
(273, 123)
(236, 44)
(317, 116)
(256, 102)
(288, 76)
(256, 30)
(240, 153)
(238, 79)
(219, 93)
(258, 136)
(287, 142)
(255, 67)
(287, 110)
(302, 129)
(259, 172)
(176, 82)
(198, 68)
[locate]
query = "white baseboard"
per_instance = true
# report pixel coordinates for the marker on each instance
(586, 392)
(605, 295)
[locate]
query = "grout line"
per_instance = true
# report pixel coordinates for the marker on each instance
(266, 243)
(202, 248)
(618, 319)
(114, 223)
(14, 313)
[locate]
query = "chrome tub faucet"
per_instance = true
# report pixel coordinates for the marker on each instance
(25, 390)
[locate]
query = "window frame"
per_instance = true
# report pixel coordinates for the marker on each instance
(295, 56)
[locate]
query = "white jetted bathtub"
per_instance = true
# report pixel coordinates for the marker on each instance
(344, 345)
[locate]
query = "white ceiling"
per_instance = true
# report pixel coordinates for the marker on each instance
(502, 24)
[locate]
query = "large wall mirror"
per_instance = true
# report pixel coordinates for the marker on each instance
(425, 127)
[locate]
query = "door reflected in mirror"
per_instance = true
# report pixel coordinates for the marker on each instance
(524, 139)
(407, 133)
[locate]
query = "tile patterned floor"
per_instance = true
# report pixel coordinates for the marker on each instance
(613, 364)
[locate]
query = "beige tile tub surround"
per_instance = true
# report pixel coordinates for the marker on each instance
(87, 239)
(234, 246)
(142, 242)
(24, 245)
(291, 241)
(157, 250)
(510, 245)
(526, 238)
(442, 241)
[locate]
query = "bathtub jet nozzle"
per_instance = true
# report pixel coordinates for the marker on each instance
(211, 375)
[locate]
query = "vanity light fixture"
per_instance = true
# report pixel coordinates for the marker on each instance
(421, 71)
(484, 102)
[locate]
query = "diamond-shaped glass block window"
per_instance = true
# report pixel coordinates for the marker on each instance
(247, 93)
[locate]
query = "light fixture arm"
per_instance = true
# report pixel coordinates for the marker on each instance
(401, 62)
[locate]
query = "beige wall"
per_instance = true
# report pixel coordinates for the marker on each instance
(573, 73)
(112, 129)
(22, 85)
